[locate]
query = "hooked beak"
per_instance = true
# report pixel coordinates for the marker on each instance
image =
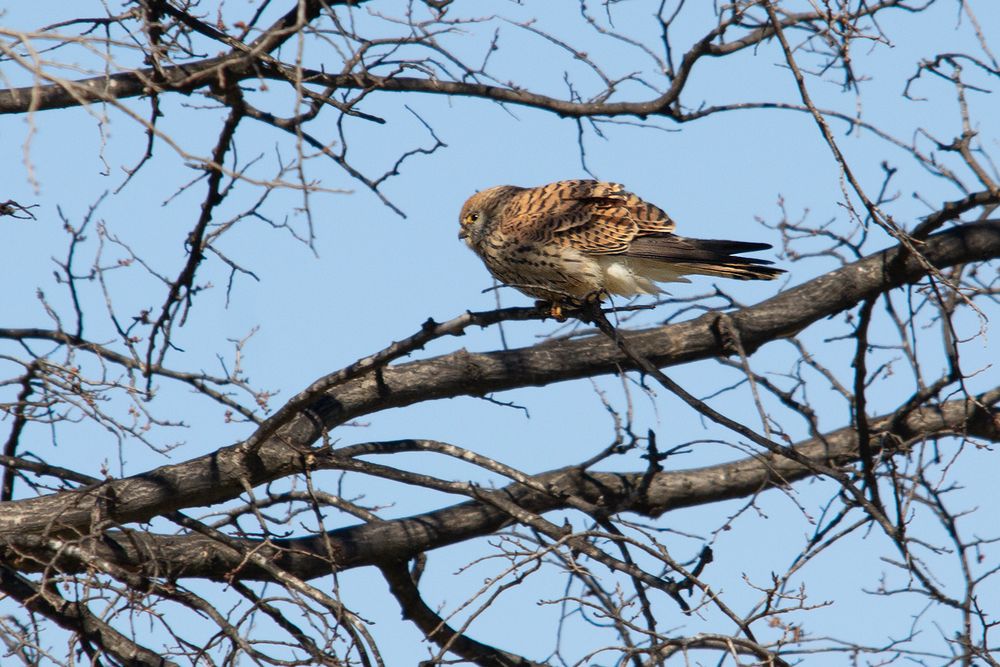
(463, 233)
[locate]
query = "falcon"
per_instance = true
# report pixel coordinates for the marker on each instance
(574, 241)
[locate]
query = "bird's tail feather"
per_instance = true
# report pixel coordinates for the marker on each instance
(674, 255)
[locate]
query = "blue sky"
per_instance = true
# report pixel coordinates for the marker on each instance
(373, 277)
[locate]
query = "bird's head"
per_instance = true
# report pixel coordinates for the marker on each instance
(481, 212)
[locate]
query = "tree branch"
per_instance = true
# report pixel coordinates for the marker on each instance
(399, 540)
(224, 473)
(252, 62)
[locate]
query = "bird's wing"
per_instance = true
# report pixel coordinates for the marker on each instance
(595, 217)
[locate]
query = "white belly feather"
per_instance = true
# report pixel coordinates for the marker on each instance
(630, 276)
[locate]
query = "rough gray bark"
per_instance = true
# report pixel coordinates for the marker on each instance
(376, 543)
(224, 473)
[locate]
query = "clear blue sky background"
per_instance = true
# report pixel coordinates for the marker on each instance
(375, 277)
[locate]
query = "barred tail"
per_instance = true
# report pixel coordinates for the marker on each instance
(672, 255)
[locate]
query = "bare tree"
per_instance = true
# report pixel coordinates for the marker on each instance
(874, 418)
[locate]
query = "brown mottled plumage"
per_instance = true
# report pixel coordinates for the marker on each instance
(570, 240)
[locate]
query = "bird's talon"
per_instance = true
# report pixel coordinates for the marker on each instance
(555, 309)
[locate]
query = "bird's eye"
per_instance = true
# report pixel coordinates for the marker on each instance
(471, 217)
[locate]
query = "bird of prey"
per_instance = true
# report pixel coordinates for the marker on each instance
(573, 241)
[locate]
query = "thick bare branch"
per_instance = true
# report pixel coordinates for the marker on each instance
(251, 62)
(393, 541)
(225, 473)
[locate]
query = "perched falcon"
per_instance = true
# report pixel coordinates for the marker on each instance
(573, 240)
